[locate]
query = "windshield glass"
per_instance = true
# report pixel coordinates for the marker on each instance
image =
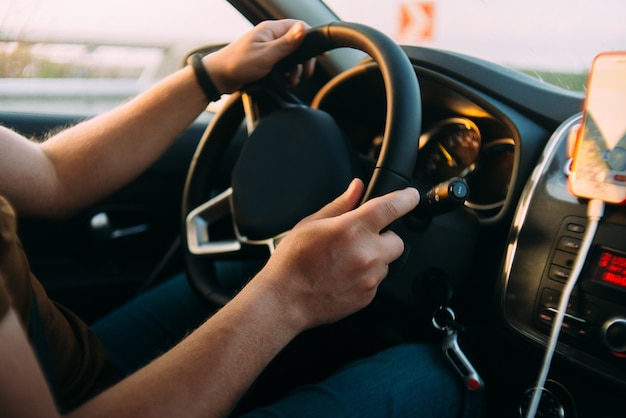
(554, 40)
(109, 39)
(83, 57)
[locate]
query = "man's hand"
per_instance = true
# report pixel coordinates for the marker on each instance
(252, 56)
(331, 263)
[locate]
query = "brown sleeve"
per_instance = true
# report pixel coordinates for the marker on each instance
(13, 293)
(80, 362)
(5, 300)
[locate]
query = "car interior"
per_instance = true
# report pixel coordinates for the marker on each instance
(488, 252)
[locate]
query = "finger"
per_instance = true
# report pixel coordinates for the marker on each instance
(342, 204)
(293, 77)
(378, 274)
(288, 43)
(383, 210)
(309, 67)
(393, 245)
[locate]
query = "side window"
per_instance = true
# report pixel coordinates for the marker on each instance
(82, 58)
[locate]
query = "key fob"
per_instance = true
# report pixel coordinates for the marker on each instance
(459, 361)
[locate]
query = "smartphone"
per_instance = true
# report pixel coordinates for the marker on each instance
(598, 168)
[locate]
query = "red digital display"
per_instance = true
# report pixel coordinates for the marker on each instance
(611, 269)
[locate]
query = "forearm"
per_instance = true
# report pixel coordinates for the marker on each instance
(211, 369)
(90, 160)
(100, 155)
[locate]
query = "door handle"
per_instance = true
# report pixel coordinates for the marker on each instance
(103, 229)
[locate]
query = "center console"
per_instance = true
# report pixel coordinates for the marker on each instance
(543, 244)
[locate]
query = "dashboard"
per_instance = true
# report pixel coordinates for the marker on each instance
(510, 145)
(459, 138)
(594, 327)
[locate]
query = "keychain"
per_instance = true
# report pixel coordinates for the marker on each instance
(444, 320)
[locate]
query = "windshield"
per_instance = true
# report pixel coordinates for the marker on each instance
(76, 56)
(553, 40)
(84, 57)
(110, 39)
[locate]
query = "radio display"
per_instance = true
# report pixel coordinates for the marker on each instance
(611, 268)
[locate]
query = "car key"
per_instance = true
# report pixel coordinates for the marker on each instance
(444, 320)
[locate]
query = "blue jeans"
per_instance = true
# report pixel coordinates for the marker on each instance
(153, 322)
(411, 380)
(150, 324)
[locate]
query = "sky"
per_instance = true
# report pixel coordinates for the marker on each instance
(552, 34)
(546, 34)
(151, 20)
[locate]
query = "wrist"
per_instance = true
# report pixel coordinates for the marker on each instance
(287, 317)
(203, 78)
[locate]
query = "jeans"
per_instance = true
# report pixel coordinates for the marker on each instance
(150, 324)
(411, 380)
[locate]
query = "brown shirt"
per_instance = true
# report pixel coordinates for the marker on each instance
(79, 360)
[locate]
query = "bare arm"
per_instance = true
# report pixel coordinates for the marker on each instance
(92, 159)
(87, 162)
(23, 389)
(304, 284)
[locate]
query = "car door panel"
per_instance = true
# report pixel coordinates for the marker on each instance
(105, 253)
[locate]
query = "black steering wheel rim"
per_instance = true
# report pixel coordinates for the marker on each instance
(398, 152)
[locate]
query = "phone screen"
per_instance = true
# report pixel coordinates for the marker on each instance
(599, 167)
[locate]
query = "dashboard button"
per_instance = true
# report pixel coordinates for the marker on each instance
(569, 244)
(577, 228)
(564, 259)
(558, 273)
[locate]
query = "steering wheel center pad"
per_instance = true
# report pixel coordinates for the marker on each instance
(396, 161)
(294, 162)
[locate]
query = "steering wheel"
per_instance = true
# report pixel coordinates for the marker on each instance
(294, 160)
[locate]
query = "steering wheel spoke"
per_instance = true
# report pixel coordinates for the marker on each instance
(198, 226)
(251, 111)
(198, 223)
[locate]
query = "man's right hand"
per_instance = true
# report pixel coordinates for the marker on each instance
(331, 263)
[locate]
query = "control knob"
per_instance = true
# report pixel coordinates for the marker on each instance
(614, 331)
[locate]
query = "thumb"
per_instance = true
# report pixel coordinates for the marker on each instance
(345, 202)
